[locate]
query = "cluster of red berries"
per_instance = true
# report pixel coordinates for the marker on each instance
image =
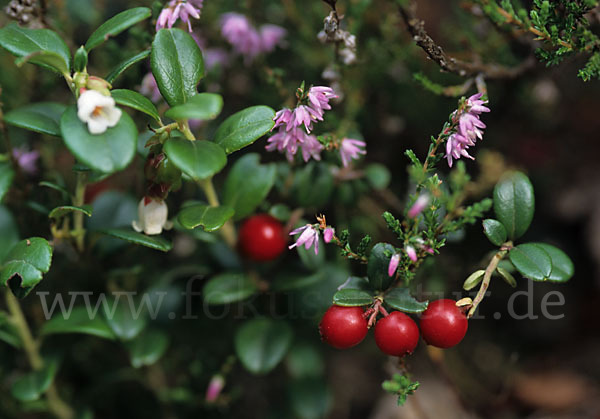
(443, 325)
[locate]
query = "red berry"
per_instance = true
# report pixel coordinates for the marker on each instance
(443, 324)
(396, 334)
(343, 327)
(262, 238)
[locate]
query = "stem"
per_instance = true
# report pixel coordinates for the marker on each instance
(55, 404)
(184, 127)
(78, 201)
(228, 230)
(487, 276)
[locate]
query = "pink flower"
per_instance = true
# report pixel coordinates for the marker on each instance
(319, 96)
(419, 205)
(216, 384)
(240, 33)
(328, 234)
(27, 160)
(289, 142)
(179, 9)
(350, 150)
(311, 147)
(149, 88)
(270, 37)
(411, 252)
(284, 117)
(309, 236)
(394, 261)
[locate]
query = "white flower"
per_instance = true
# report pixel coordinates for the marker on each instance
(152, 216)
(97, 111)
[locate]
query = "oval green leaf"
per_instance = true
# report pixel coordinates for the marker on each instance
(261, 344)
(207, 217)
(108, 152)
(531, 261)
(377, 268)
(136, 101)
(244, 127)
(117, 24)
(507, 276)
(147, 348)
(45, 59)
(28, 260)
(197, 159)
(350, 297)
(79, 320)
(228, 288)
(203, 106)
(153, 242)
(514, 203)
(248, 184)
(31, 386)
(120, 69)
(495, 231)
(473, 279)
(43, 117)
(401, 299)
(60, 212)
(562, 266)
(177, 65)
(125, 322)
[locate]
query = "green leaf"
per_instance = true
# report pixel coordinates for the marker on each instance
(562, 266)
(209, 218)
(79, 321)
(202, 106)
(177, 65)
(153, 242)
(42, 117)
(119, 69)
(31, 386)
(310, 398)
(29, 259)
(349, 297)
(378, 176)
(80, 60)
(495, 231)
(9, 234)
(261, 344)
(147, 348)
(531, 261)
(473, 279)
(288, 281)
(8, 331)
(108, 152)
(46, 59)
(248, 184)
(123, 318)
(197, 159)
(377, 268)
(514, 203)
(244, 127)
(22, 42)
(117, 24)
(401, 299)
(507, 276)
(60, 212)
(136, 101)
(228, 288)
(7, 175)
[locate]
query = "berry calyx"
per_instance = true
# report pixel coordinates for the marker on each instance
(343, 327)
(443, 324)
(396, 334)
(262, 238)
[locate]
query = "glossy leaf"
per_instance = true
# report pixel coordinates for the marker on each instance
(42, 117)
(147, 348)
(495, 231)
(514, 203)
(377, 268)
(207, 217)
(9, 234)
(33, 385)
(122, 317)
(117, 24)
(350, 297)
(507, 276)
(108, 152)
(28, 260)
(79, 321)
(244, 127)
(473, 280)
(531, 261)
(153, 242)
(197, 159)
(401, 299)
(59, 212)
(7, 175)
(248, 184)
(261, 344)
(23, 42)
(177, 65)
(203, 106)
(228, 288)
(120, 69)
(45, 59)
(136, 101)
(562, 266)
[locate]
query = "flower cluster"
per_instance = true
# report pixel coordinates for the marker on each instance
(179, 9)
(469, 129)
(295, 125)
(246, 39)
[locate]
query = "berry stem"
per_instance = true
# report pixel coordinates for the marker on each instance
(487, 276)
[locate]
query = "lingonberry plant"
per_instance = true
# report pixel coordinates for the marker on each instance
(132, 163)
